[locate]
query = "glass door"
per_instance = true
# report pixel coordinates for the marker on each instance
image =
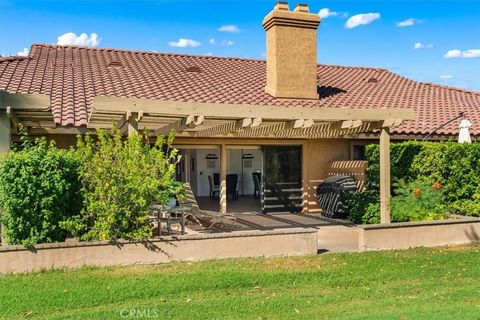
(282, 183)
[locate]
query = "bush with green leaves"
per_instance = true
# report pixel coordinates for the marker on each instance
(121, 178)
(39, 188)
(419, 200)
(455, 166)
(363, 207)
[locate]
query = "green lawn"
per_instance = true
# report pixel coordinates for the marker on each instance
(413, 284)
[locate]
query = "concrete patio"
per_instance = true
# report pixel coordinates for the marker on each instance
(333, 235)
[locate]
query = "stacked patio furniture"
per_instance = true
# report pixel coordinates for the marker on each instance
(332, 194)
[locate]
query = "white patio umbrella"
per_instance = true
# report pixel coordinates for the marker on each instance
(464, 134)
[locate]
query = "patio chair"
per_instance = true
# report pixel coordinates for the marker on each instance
(256, 184)
(213, 187)
(210, 217)
(232, 186)
(216, 179)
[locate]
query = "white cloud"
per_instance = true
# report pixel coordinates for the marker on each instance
(83, 39)
(408, 23)
(361, 19)
(214, 42)
(446, 76)
(419, 45)
(227, 43)
(455, 53)
(183, 43)
(208, 54)
(229, 28)
(325, 13)
(23, 53)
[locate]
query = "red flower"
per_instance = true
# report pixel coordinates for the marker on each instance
(436, 185)
(417, 192)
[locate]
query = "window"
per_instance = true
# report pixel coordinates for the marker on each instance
(358, 152)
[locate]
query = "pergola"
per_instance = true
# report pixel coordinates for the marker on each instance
(196, 120)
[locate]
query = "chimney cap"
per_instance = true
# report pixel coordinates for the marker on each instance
(281, 5)
(302, 7)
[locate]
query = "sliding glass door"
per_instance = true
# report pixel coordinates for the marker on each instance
(282, 187)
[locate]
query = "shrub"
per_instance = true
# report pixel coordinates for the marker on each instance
(420, 200)
(468, 207)
(121, 178)
(362, 203)
(455, 166)
(402, 155)
(39, 188)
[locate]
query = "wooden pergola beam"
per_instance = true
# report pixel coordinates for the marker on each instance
(345, 125)
(240, 111)
(243, 123)
(188, 122)
(123, 121)
(13, 118)
(387, 123)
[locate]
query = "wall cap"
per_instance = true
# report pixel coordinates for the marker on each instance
(418, 223)
(148, 242)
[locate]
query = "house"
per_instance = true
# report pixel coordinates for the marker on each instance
(283, 119)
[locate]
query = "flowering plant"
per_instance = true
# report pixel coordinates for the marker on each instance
(419, 200)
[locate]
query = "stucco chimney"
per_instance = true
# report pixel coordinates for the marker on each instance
(291, 52)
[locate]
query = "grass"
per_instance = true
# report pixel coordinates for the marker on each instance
(442, 283)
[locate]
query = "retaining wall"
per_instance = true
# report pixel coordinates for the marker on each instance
(406, 235)
(287, 242)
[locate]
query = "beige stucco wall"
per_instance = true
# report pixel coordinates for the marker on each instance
(291, 242)
(319, 153)
(419, 234)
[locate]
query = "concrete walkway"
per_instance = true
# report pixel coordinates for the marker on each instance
(333, 235)
(338, 239)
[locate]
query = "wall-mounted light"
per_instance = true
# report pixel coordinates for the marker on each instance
(211, 156)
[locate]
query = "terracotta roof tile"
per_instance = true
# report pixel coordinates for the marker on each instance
(73, 76)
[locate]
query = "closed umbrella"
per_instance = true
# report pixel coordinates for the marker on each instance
(464, 134)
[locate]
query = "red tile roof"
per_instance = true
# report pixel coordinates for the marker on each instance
(73, 76)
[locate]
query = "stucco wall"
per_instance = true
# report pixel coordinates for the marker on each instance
(319, 153)
(287, 242)
(419, 234)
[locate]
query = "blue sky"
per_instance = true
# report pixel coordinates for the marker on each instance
(439, 27)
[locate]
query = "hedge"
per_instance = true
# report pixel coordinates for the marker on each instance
(102, 189)
(455, 166)
(39, 188)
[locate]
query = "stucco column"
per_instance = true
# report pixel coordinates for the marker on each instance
(223, 178)
(384, 176)
(5, 140)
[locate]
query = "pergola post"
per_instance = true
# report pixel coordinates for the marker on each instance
(384, 176)
(305, 184)
(223, 178)
(132, 124)
(5, 140)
